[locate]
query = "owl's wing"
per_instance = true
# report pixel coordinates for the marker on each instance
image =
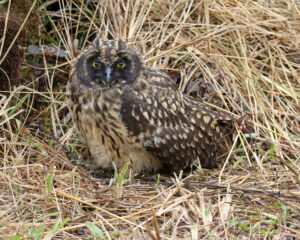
(160, 79)
(175, 128)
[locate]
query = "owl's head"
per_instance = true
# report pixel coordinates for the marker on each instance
(107, 63)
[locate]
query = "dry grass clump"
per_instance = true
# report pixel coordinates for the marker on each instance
(17, 21)
(241, 56)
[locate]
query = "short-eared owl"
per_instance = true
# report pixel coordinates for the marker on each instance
(128, 112)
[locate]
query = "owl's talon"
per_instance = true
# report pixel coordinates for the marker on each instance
(79, 162)
(92, 169)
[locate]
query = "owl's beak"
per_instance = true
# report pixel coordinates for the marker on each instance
(108, 71)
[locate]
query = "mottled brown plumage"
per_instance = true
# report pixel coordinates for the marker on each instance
(127, 112)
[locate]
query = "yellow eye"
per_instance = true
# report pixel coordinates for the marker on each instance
(121, 65)
(96, 64)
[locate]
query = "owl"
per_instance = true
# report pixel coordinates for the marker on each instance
(127, 112)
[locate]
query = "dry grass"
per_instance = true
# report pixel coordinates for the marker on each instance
(245, 57)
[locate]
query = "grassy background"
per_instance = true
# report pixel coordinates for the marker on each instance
(241, 56)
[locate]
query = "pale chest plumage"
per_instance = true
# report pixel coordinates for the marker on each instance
(99, 122)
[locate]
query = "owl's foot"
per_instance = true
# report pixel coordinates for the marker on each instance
(87, 165)
(102, 173)
(93, 169)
